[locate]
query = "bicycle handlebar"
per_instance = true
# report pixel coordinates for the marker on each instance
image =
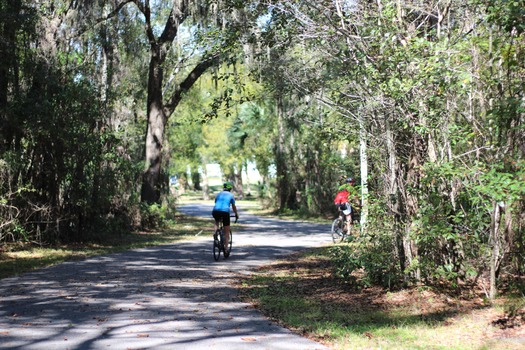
(236, 218)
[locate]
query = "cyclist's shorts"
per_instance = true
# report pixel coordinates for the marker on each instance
(221, 214)
(345, 208)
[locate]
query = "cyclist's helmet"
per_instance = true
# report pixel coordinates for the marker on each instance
(228, 186)
(350, 179)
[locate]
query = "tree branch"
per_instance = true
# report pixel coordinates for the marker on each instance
(116, 11)
(192, 77)
(177, 16)
(84, 28)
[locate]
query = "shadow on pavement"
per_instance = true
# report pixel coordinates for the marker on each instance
(170, 296)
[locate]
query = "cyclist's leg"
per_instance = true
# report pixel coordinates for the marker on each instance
(349, 217)
(226, 236)
(226, 224)
(349, 225)
(227, 232)
(342, 225)
(216, 216)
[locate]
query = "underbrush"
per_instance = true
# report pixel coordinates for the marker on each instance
(305, 294)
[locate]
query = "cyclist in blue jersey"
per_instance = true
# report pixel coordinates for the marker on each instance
(222, 210)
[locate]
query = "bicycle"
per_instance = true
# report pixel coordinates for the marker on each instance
(341, 231)
(218, 241)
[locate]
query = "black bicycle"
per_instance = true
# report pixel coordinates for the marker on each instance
(341, 229)
(218, 241)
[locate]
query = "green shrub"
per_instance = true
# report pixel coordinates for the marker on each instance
(156, 215)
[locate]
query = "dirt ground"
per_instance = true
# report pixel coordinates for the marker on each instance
(316, 281)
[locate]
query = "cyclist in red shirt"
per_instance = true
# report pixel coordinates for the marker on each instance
(347, 199)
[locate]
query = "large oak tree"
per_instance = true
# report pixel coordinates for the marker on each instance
(219, 26)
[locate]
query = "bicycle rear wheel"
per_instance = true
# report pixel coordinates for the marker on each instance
(337, 230)
(216, 245)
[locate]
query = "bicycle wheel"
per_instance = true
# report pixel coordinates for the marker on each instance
(216, 246)
(337, 230)
(228, 249)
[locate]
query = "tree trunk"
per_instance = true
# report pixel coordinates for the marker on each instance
(364, 173)
(9, 64)
(495, 254)
(283, 187)
(155, 134)
(239, 186)
(205, 183)
(196, 178)
(158, 112)
(248, 187)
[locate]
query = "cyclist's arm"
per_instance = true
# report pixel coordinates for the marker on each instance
(235, 210)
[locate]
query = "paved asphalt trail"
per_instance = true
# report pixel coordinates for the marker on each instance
(167, 297)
